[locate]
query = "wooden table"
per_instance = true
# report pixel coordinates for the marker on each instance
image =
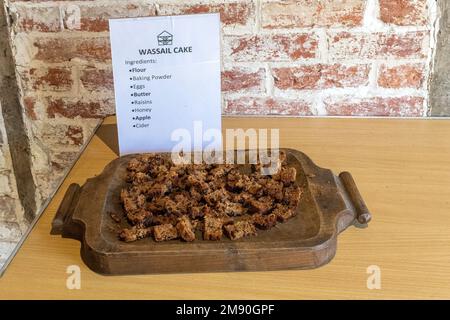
(402, 168)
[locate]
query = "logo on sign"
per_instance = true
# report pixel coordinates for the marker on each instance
(165, 39)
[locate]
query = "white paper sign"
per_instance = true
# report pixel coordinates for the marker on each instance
(166, 77)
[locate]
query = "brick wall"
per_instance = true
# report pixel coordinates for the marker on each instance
(322, 57)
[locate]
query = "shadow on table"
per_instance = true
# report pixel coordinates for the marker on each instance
(108, 134)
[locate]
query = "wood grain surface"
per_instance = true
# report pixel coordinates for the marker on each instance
(401, 168)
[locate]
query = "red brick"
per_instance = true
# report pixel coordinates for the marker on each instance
(65, 49)
(378, 106)
(50, 79)
(10, 231)
(404, 12)
(61, 135)
(267, 106)
(94, 18)
(94, 79)
(307, 13)
(243, 79)
(42, 19)
(62, 160)
(402, 76)
(278, 47)
(75, 135)
(233, 13)
(30, 105)
(71, 108)
(346, 45)
(8, 208)
(321, 76)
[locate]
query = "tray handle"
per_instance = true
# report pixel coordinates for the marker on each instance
(363, 215)
(65, 208)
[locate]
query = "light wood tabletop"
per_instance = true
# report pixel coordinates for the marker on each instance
(402, 168)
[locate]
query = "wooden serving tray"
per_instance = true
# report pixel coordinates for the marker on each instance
(329, 205)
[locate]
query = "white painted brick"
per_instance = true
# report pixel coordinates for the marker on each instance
(2, 158)
(9, 231)
(6, 249)
(5, 188)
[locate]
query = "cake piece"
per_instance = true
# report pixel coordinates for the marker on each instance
(135, 233)
(195, 195)
(292, 196)
(138, 165)
(184, 202)
(212, 228)
(158, 189)
(288, 175)
(236, 180)
(261, 205)
(254, 188)
(164, 219)
(129, 204)
(141, 201)
(220, 171)
(240, 229)
(185, 229)
(219, 195)
(158, 171)
(264, 221)
(172, 207)
(275, 189)
(164, 232)
(283, 213)
(234, 209)
(196, 212)
(140, 216)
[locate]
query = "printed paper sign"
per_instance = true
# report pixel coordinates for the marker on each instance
(166, 77)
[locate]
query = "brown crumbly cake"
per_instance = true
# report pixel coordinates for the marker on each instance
(239, 229)
(266, 221)
(168, 201)
(135, 233)
(212, 229)
(185, 229)
(164, 232)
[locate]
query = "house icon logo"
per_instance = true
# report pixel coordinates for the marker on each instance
(165, 39)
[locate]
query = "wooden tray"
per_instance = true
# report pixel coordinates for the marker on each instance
(329, 205)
